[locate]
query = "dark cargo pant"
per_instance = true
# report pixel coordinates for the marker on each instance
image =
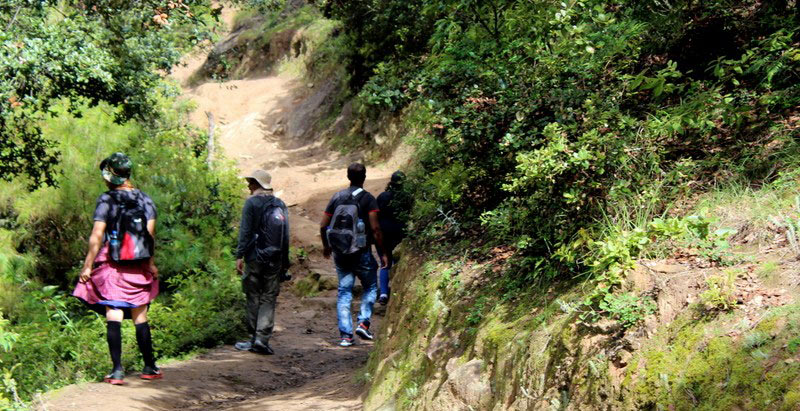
(261, 288)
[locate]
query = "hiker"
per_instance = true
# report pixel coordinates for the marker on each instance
(262, 259)
(391, 205)
(119, 278)
(352, 215)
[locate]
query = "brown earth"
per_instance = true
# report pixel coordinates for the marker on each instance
(257, 121)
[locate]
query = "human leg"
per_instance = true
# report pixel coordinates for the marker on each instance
(143, 337)
(251, 285)
(114, 338)
(383, 279)
(266, 312)
(344, 301)
(368, 275)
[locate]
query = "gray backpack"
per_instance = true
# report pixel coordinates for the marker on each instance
(347, 232)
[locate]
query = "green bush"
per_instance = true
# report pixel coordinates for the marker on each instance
(544, 117)
(59, 341)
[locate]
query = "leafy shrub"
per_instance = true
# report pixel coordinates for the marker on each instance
(721, 292)
(59, 340)
(627, 308)
(545, 116)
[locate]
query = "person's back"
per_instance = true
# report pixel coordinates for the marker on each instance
(119, 277)
(392, 221)
(350, 214)
(262, 258)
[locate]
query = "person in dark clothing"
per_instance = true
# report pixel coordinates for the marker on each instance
(260, 280)
(360, 264)
(120, 289)
(392, 221)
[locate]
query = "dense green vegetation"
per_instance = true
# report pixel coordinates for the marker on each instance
(69, 52)
(82, 80)
(551, 125)
(556, 142)
(44, 240)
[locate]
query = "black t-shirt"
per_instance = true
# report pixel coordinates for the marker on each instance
(366, 204)
(107, 208)
(388, 216)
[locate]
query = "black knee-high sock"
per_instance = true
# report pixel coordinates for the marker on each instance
(114, 337)
(145, 343)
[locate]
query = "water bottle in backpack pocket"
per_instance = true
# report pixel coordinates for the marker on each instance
(361, 234)
(129, 240)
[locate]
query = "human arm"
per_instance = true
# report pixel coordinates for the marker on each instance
(323, 232)
(151, 264)
(377, 234)
(95, 242)
(245, 235)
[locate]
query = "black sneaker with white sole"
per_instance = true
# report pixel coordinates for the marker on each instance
(363, 331)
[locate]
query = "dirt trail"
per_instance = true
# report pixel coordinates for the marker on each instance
(309, 370)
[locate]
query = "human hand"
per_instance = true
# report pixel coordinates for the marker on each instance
(240, 266)
(86, 274)
(326, 252)
(153, 269)
(384, 261)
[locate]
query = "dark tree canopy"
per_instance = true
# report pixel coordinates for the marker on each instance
(84, 51)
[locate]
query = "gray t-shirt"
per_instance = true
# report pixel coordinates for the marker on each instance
(107, 208)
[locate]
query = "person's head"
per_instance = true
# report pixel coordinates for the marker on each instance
(357, 173)
(396, 183)
(259, 179)
(116, 169)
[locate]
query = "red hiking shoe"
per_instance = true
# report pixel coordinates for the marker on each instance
(151, 373)
(115, 378)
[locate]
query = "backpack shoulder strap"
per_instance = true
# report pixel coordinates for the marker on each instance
(357, 194)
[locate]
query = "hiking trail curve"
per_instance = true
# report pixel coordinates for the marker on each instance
(309, 371)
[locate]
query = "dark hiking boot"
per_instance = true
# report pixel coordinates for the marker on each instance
(383, 299)
(346, 342)
(363, 331)
(243, 345)
(115, 378)
(261, 348)
(151, 373)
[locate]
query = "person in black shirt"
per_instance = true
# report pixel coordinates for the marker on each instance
(392, 221)
(260, 281)
(361, 264)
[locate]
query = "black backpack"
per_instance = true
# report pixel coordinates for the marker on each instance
(128, 238)
(271, 240)
(347, 232)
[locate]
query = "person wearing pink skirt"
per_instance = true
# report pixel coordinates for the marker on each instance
(121, 287)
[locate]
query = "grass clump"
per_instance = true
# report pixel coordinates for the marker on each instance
(721, 294)
(692, 365)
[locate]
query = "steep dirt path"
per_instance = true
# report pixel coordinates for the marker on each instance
(309, 370)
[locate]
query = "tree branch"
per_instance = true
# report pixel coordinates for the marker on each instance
(478, 18)
(13, 19)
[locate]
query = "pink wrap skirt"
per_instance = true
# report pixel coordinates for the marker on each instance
(117, 285)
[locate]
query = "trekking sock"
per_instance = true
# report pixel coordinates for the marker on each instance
(145, 343)
(114, 337)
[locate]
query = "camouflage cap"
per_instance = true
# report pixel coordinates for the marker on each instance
(116, 168)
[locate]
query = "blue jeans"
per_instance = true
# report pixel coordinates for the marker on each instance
(383, 275)
(366, 269)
